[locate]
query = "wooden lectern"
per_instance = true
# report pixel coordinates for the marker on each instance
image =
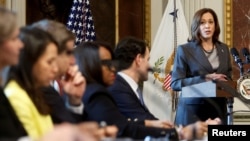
(212, 89)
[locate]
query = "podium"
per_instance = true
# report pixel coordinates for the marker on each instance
(208, 89)
(212, 89)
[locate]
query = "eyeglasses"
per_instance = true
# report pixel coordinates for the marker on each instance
(111, 64)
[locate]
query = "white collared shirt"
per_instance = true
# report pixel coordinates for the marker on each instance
(131, 82)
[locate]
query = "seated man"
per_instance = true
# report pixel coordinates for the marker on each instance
(133, 59)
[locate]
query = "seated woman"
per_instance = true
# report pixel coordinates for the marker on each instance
(63, 90)
(96, 63)
(10, 46)
(36, 68)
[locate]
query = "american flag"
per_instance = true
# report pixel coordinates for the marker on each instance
(81, 22)
(167, 81)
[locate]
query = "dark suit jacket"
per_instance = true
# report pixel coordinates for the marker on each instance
(190, 67)
(59, 112)
(100, 106)
(10, 126)
(127, 101)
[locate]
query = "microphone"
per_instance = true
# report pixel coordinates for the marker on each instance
(237, 59)
(245, 52)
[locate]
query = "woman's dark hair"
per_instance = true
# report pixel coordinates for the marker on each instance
(195, 30)
(89, 62)
(127, 50)
(35, 43)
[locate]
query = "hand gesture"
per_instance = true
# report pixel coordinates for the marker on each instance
(74, 85)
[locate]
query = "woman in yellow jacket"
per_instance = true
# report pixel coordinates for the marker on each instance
(36, 69)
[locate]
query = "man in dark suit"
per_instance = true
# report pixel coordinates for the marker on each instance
(133, 65)
(128, 102)
(133, 69)
(60, 113)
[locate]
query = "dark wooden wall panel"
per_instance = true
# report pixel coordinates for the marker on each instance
(131, 16)
(104, 19)
(241, 36)
(51, 9)
(131, 19)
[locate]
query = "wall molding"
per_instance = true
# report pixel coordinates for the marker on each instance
(147, 22)
(19, 6)
(228, 24)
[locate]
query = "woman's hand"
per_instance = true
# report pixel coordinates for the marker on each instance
(216, 77)
(74, 85)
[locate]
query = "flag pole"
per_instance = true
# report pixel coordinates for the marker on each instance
(157, 90)
(174, 93)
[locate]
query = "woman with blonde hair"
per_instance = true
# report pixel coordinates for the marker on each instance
(10, 46)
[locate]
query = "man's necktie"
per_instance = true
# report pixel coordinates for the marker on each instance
(140, 96)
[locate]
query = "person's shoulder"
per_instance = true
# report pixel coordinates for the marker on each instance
(94, 89)
(49, 90)
(188, 44)
(221, 45)
(119, 81)
(12, 83)
(184, 44)
(17, 95)
(13, 89)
